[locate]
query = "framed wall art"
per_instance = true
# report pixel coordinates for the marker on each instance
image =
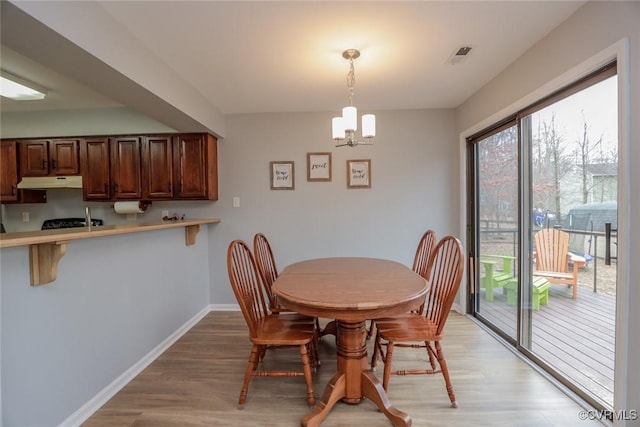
(318, 166)
(282, 175)
(359, 173)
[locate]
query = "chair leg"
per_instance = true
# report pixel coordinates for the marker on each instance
(372, 328)
(252, 365)
(306, 367)
(377, 352)
(432, 359)
(387, 366)
(445, 374)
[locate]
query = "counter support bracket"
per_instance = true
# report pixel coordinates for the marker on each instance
(190, 233)
(43, 261)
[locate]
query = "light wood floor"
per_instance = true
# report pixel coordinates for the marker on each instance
(197, 381)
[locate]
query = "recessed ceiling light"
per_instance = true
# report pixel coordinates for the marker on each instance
(16, 88)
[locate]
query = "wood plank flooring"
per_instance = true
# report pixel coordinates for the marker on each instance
(197, 381)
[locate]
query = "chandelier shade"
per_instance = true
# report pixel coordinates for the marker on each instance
(344, 127)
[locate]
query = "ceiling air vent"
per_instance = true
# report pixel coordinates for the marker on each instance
(460, 54)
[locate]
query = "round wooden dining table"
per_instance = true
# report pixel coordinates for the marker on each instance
(351, 290)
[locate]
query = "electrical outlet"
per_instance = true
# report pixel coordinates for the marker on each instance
(165, 214)
(236, 202)
(25, 216)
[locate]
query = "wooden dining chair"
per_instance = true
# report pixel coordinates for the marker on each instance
(420, 265)
(266, 330)
(266, 264)
(267, 268)
(444, 274)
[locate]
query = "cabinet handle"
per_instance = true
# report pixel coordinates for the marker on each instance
(13, 190)
(44, 164)
(115, 187)
(54, 164)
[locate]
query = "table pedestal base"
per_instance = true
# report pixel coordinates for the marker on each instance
(353, 382)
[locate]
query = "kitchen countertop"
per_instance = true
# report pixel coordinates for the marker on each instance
(8, 240)
(47, 247)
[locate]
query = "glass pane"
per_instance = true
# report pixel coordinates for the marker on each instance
(497, 196)
(574, 168)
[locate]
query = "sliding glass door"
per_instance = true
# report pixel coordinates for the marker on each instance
(497, 203)
(543, 226)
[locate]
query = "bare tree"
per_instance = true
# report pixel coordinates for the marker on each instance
(550, 165)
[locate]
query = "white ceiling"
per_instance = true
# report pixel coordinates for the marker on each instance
(275, 56)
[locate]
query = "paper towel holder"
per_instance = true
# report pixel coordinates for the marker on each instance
(131, 206)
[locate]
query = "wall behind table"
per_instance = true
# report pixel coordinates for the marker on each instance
(115, 299)
(415, 184)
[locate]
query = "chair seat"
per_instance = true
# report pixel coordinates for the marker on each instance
(278, 331)
(553, 274)
(407, 327)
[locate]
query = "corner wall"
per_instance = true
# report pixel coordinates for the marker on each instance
(592, 30)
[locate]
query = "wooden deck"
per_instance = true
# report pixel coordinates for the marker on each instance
(575, 337)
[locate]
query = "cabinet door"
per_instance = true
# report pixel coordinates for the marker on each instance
(95, 169)
(64, 157)
(34, 158)
(195, 166)
(125, 167)
(8, 171)
(157, 167)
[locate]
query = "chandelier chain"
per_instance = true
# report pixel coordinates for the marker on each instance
(351, 81)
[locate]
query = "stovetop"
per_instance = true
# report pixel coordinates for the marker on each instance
(51, 224)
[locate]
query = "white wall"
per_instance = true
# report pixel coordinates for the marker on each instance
(589, 36)
(115, 299)
(95, 121)
(415, 183)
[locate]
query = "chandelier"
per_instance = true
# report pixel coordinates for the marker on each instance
(345, 127)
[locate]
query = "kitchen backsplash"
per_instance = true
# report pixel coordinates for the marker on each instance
(65, 203)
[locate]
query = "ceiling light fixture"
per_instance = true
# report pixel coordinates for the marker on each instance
(19, 89)
(344, 128)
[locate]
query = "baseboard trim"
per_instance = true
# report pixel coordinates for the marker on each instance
(225, 307)
(97, 401)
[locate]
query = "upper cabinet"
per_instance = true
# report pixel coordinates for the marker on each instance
(182, 166)
(9, 171)
(96, 174)
(145, 167)
(157, 167)
(9, 177)
(126, 175)
(195, 160)
(44, 157)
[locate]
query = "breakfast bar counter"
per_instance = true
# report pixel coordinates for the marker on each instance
(46, 247)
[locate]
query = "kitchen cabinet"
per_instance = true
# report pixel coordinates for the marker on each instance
(195, 167)
(8, 172)
(49, 157)
(120, 167)
(157, 167)
(96, 176)
(9, 191)
(180, 167)
(126, 176)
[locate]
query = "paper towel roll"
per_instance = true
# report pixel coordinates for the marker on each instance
(132, 207)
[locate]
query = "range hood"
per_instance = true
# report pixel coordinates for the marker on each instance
(44, 182)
